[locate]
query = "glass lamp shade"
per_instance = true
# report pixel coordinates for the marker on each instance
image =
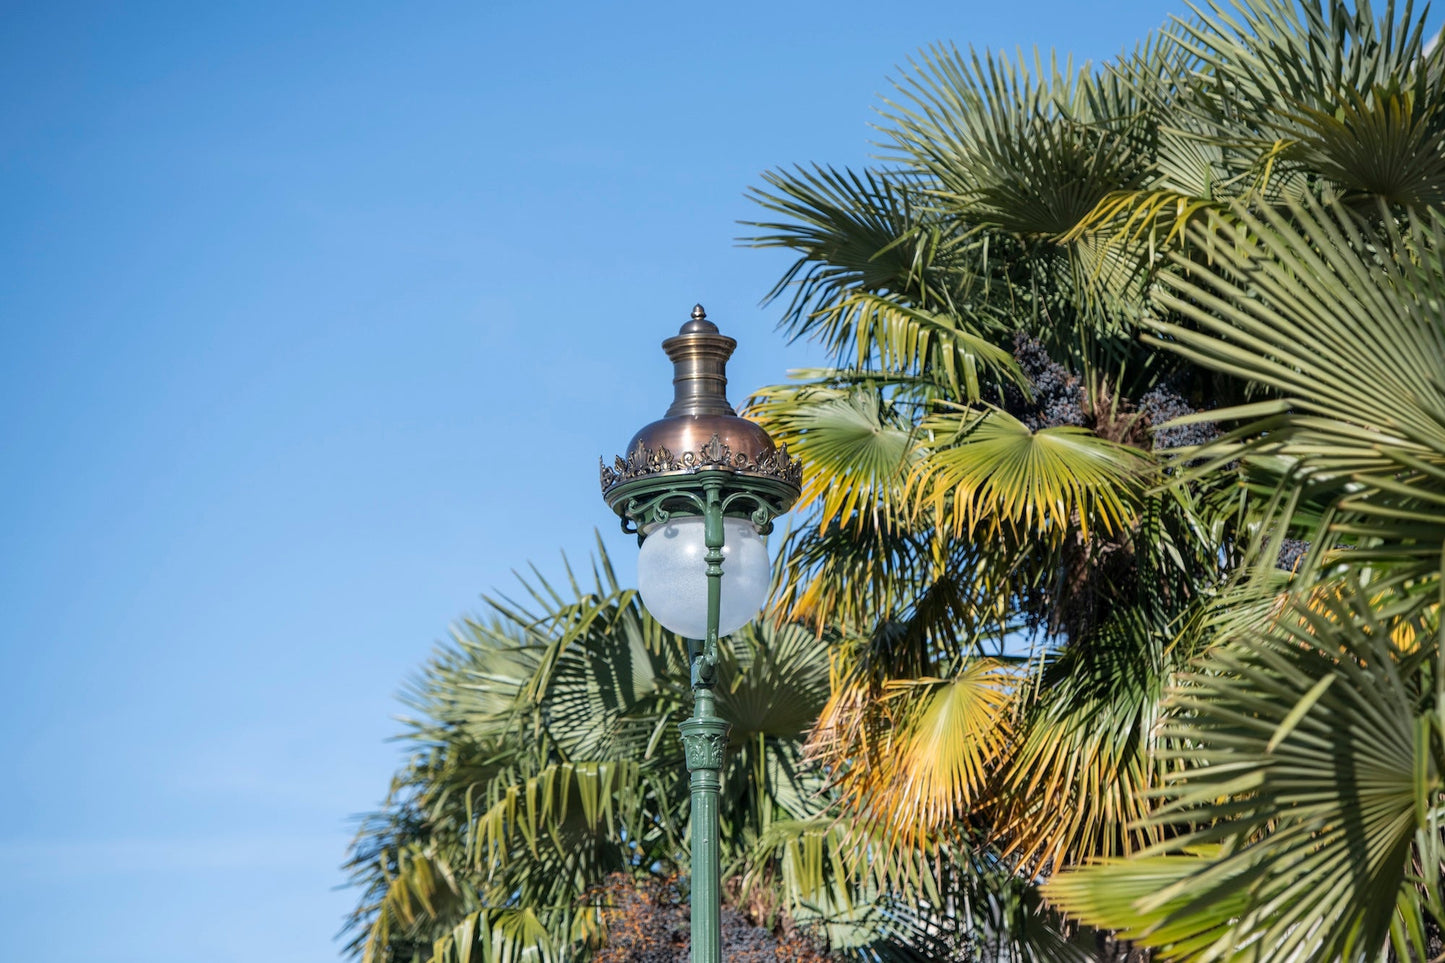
(672, 576)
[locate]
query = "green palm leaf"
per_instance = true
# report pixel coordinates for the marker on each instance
(1028, 150)
(880, 282)
(1115, 890)
(1386, 142)
(1341, 320)
(1315, 766)
(854, 233)
(556, 821)
(548, 759)
(1325, 86)
(497, 936)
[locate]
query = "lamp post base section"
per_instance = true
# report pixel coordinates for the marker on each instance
(705, 741)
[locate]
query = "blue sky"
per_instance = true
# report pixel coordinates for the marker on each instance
(315, 320)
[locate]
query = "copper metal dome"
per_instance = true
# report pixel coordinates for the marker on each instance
(701, 431)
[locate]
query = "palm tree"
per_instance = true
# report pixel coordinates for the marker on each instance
(1308, 817)
(546, 762)
(990, 453)
(545, 758)
(982, 463)
(546, 766)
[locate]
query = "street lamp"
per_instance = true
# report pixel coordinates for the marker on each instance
(699, 487)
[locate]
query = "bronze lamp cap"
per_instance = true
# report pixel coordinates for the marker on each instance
(701, 431)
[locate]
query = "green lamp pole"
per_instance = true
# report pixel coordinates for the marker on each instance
(698, 487)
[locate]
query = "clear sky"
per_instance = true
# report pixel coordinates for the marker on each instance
(315, 319)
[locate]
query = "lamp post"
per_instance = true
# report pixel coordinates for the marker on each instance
(699, 487)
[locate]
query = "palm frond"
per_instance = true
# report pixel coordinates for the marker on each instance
(1385, 143)
(1077, 786)
(1029, 150)
(1315, 769)
(990, 471)
(854, 233)
(855, 445)
(1115, 890)
(924, 755)
(1341, 320)
(497, 936)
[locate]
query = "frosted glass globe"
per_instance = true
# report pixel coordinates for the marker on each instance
(672, 576)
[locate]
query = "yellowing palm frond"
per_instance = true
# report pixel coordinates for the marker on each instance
(901, 339)
(1078, 786)
(922, 756)
(855, 450)
(1149, 219)
(994, 473)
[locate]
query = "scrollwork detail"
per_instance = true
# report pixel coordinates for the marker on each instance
(715, 454)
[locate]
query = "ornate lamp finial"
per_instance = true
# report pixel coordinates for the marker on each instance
(699, 323)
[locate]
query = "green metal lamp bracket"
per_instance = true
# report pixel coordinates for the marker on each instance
(644, 503)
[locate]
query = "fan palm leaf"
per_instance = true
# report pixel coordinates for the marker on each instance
(548, 759)
(1077, 786)
(1386, 143)
(855, 445)
(992, 472)
(854, 232)
(881, 283)
(1257, 63)
(1316, 766)
(553, 824)
(939, 345)
(1340, 318)
(1117, 889)
(883, 903)
(922, 755)
(1263, 102)
(497, 936)
(845, 575)
(1029, 150)
(859, 558)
